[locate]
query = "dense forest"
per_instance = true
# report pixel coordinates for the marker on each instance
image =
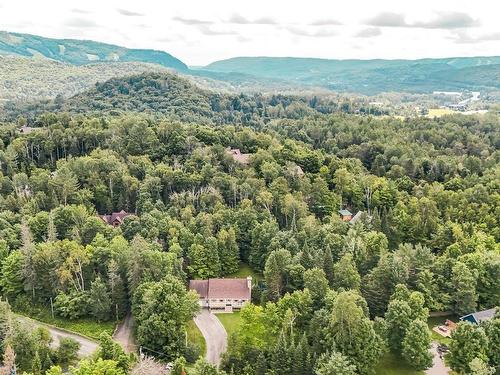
(168, 95)
(335, 296)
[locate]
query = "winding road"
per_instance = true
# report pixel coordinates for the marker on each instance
(87, 346)
(214, 333)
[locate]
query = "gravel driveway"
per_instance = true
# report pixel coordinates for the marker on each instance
(214, 333)
(438, 366)
(123, 334)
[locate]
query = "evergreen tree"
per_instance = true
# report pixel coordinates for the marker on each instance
(28, 250)
(328, 266)
(117, 290)
(261, 364)
(36, 366)
(229, 254)
(334, 364)
(345, 273)
(416, 345)
(47, 362)
(282, 356)
(51, 229)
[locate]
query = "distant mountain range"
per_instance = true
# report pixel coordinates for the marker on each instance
(273, 74)
(80, 52)
(372, 76)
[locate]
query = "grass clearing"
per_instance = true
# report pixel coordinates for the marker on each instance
(244, 271)
(194, 336)
(434, 321)
(86, 327)
(438, 112)
(391, 364)
(230, 321)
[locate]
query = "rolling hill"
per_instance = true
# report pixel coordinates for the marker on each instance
(80, 52)
(162, 94)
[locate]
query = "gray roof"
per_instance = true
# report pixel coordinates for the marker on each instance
(345, 212)
(479, 316)
(358, 216)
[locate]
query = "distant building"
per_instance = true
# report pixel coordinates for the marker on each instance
(297, 171)
(360, 216)
(115, 219)
(237, 156)
(27, 129)
(479, 316)
(345, 214)
(223, 294)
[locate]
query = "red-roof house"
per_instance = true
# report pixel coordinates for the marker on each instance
(227, 294)
(115, 219)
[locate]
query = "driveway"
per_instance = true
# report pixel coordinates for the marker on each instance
(87, 346)
(214, 333)
(123, 334)
(438, 366)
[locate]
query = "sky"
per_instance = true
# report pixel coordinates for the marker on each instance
(203, 31)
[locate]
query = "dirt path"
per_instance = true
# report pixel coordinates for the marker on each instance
(124, 334)
(87, 346)
(438, 366)
(214, 333)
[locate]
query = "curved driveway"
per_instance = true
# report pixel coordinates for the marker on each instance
(87, 346)
(214, 333)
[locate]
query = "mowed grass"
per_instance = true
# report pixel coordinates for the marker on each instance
(438, 112)
(245, 271)
(195, 337)
(393, 365)
(84, 327)
(230, 321)
(437, 321)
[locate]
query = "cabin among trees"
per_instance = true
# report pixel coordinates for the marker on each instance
(223, 294)
(116, 218)
(479, 316)
(238, 156)
(345, 214)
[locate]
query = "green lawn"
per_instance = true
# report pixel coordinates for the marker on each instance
(230, 321)
(244, 271)
(439, 320)
(85, 327)
(393, 365)
(195, 337)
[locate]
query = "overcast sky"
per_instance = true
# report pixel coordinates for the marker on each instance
(199, 32)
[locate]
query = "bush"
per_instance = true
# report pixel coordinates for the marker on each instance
(72, 306)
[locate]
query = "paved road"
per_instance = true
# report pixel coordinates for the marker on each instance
(214, 333)
(87, 346)
(123, 334)
(438, 366)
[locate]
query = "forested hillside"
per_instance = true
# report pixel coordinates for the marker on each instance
(164, 94)
(80, 52)
(335, 295)
(30, 79)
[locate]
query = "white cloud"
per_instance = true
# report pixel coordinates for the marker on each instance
(199, 32)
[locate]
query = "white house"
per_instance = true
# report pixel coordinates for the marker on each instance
(223, 294)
